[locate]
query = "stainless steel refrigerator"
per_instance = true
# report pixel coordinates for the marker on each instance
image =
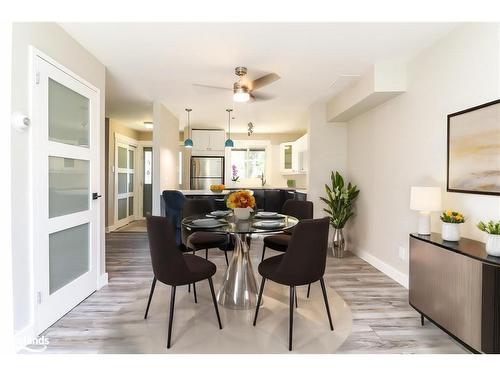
(206, 171)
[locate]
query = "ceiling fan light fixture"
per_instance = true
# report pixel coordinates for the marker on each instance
(148, 125)
(240, 93)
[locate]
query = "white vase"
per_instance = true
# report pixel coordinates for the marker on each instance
(493, 245)
(242, 213)
(451, 231)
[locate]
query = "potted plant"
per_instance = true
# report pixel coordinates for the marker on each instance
(234, 173)
(339, 200)
(452, 221)
(242, 203)
(493, 241)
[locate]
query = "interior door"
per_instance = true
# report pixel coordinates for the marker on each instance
(147, 195)
(65, 176)
(124, 183)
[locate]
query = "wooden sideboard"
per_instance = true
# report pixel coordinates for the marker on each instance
(456, 285)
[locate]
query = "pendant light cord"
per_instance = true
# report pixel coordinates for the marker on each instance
(229, 121)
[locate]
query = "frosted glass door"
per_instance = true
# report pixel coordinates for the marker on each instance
(124, 183)
(65, 174)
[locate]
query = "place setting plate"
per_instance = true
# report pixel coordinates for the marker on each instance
(268, 215)
(218, 214)
(268, 224)
(207, 223)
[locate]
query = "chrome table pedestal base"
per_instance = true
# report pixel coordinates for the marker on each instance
(239, 288)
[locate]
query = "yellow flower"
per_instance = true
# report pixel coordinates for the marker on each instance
(448, 213)
(240, 199)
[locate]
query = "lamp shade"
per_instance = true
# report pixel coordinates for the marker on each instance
(229, 143)
(425, 198)
(188, 143)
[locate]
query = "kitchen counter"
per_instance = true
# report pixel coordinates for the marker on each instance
(203, 192)
(266, 197)
(227, 191)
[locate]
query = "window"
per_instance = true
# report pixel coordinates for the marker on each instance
(250, 162)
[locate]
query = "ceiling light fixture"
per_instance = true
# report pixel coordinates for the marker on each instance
(188, 143)
(229, 142)
(240, 93)
(148, 124)
(250, 129)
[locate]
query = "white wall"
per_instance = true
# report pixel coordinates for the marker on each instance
(403, 143)
(56, 43)
(165, 153)
(327, 152)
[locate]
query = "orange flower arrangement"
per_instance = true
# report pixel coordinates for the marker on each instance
(240, 199)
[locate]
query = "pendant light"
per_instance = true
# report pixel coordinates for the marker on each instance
(188, 143)
(229, 142)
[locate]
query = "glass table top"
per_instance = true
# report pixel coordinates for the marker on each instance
(229, 224)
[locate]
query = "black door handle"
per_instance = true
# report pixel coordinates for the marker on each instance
(96, 196)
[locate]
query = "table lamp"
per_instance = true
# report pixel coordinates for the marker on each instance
(425, 199)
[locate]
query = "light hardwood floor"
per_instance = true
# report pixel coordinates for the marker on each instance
(382, 320)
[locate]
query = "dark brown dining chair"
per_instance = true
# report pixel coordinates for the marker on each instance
(195, 241)
(299, 209)
(172, 267)
(303, 263)
(279, 242)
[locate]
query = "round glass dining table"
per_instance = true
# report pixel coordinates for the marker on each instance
(239, 288)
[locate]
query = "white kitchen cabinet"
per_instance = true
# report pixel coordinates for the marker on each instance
(294, 156)
(208, 142)
(287, 162)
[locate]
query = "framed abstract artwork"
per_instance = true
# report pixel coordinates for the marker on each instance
(474, 150)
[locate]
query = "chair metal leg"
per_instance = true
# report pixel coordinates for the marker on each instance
(296, 305)
(214, 301)
(290, 329)
(259, 299)
(171, 316)
(194, 290)
(322, 281)
(189, 288)
(206, 254)
(308, 290)
(421, 319)
(225, 254)
(153, 284)
(263, 252)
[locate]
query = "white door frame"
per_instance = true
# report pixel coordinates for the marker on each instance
(39, 180)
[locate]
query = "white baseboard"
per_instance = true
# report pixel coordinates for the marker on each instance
(112, 228)
(383, 267)
(23, 337)
(102, 280)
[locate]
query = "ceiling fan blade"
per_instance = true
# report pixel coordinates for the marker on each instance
(212, 87)
(254, 96)
(264, 81)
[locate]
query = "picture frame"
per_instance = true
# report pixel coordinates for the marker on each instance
(473, 150)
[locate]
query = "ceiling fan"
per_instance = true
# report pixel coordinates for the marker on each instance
(243, 89)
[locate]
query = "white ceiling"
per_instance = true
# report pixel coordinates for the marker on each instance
(161, 61)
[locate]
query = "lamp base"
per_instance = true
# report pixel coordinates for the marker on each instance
(424, 223)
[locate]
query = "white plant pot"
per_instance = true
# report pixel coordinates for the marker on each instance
(242, 213)
(451, 231)
(493, 245)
